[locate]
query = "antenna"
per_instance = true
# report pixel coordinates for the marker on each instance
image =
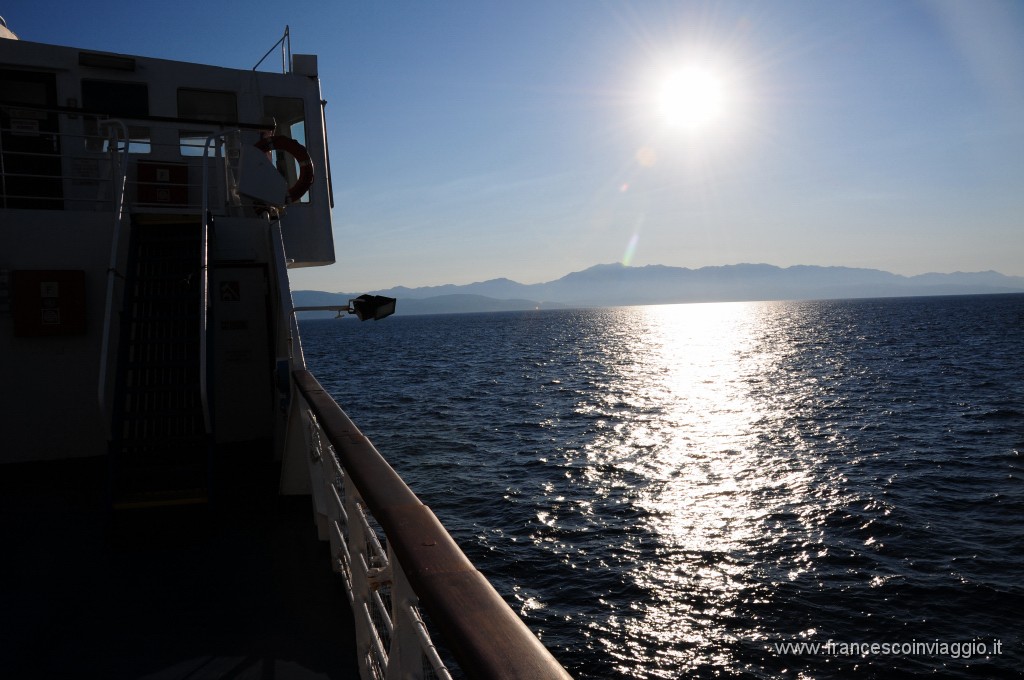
(286, 51)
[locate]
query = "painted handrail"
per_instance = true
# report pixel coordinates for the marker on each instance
(204, 281)
(66, 140)
(115, 245)
(479, 628)
(204, 285)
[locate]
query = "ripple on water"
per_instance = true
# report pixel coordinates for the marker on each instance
(669, 491)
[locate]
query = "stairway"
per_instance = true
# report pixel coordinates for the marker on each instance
(159, 449)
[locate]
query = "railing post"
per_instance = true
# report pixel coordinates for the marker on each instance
(118, 179)
(405, 658)
(359, 564)
(320, 479)
(204, 288)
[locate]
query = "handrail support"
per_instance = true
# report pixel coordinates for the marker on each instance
(115, 246)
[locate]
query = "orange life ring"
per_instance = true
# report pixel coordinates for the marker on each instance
(282, 143)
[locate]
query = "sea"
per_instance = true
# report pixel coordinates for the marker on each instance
(822, 489)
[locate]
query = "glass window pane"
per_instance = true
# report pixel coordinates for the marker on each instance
(107, 99)
(211, 105)
(289, 114)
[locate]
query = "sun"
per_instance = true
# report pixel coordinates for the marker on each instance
(691, 98)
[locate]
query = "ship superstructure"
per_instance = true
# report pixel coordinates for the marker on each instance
(149, 213)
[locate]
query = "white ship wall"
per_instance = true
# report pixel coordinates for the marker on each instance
(50, 405)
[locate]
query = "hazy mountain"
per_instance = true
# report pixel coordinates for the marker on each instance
(502, 289)
(617, 284)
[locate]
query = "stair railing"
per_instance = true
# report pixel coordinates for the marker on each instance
(117, 133)
(204, 281)
(204, 286)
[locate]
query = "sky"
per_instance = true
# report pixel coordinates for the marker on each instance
(529, 139)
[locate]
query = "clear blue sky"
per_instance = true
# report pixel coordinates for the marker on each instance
(476, 140)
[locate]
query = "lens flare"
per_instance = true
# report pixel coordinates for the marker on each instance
(627, 257)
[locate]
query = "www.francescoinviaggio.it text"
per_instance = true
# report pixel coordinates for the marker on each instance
(955, 650)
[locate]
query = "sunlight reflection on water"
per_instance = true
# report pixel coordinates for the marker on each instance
(690, 447)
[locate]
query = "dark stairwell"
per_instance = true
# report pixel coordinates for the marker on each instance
(160, 448)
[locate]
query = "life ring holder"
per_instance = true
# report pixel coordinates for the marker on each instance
(299, 153)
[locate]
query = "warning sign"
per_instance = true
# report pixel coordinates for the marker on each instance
(48, 302)
(230, 291)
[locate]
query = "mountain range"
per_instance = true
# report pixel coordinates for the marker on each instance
(610, 285)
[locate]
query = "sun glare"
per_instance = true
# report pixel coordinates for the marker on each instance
(691, 97)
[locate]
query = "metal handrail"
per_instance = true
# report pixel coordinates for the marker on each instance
(287, 309)
(115, 244)
(124, 146)
(392, 639)
(204, 282)
(5, 173)
(483, 633)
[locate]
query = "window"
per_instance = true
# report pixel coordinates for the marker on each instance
(289, 115)
(106, 99)
(30, 144)
(217, 107)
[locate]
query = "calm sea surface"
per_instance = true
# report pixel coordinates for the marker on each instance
(681, 490)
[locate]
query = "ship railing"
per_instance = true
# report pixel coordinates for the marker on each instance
(401, 567)
(56, 169)
(71, 167)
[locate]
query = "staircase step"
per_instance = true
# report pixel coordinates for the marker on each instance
(140, 486)
(169, 413)
(184, 388)
(159, 319)
(159, 454)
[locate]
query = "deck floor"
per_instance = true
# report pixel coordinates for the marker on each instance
(238, 589)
